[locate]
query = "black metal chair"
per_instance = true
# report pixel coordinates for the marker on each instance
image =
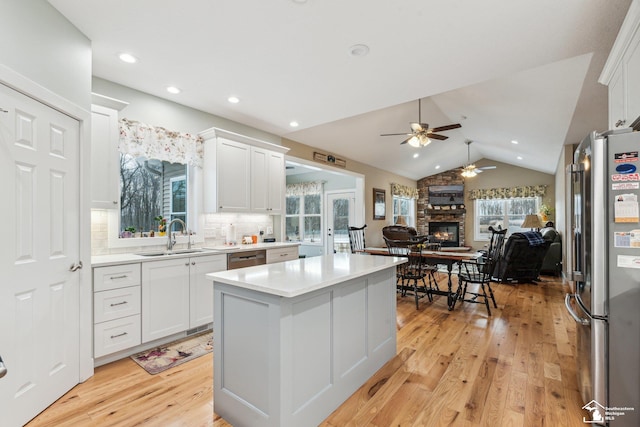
(477, 272)
(356, 238)
(411, 275)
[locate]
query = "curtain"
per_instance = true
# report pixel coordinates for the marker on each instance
(303, 188)
(509, 193)
(403, 191)
(141, 140)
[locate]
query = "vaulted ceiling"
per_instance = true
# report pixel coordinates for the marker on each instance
(524, 71)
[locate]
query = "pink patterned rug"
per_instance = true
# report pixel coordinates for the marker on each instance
(161, 358)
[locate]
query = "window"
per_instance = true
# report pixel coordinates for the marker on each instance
(404, 206)
(303, 219)
(151, 188)
(507, 213)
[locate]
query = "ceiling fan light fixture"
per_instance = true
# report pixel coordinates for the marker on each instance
(469, 173)
(414, 141)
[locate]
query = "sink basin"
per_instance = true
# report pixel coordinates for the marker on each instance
(176, 252)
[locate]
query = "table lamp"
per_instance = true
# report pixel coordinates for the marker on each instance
(531, 221)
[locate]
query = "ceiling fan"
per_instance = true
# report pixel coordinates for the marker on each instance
(470, 170)
(421, 134)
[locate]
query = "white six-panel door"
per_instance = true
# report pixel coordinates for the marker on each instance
(39, 294)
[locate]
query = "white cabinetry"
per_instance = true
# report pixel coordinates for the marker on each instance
(104, 158)
(116, 308)
(242, 174)
(165, 298)
(176, 295)
(621, 73)
(267, 181)
(201, 289)
(282, 254)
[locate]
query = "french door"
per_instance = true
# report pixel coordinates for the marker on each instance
(39, 286)
(340, 215)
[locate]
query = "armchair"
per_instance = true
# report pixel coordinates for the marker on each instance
(552, 262)
(522, 257)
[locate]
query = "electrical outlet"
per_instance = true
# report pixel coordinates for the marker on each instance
(269, 230)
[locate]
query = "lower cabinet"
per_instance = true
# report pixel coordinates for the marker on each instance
(282, 254)
(176, 296)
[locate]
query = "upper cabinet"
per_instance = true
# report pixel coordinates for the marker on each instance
(242, 174)
(104, 158)
(621, 73)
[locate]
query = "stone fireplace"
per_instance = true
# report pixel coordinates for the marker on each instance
(445, 233)
(443, 214)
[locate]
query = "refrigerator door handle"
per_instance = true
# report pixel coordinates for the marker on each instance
(580, 320)
(574, 259)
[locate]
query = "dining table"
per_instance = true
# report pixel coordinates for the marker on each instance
(446, 258)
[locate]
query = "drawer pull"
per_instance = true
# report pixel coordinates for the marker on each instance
(284, 254)
(124, 276)
(119, 335)
(119, 303)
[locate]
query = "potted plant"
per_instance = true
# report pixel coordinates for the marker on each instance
(162, 225)
(128, 232)
(545, 212)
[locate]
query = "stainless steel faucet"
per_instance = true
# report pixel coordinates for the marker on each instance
(171, 236)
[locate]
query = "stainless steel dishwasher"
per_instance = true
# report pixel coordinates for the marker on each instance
(246, 259)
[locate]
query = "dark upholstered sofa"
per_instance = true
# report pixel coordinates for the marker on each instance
(521, 262)
(552, 262)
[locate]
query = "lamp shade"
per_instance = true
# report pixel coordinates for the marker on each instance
(401, 220)
(531, 221)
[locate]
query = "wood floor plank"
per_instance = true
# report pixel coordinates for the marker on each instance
(460, 368)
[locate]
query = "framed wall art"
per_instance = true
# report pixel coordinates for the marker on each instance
(379, 204)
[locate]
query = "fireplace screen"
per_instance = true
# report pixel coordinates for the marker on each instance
(446, 233)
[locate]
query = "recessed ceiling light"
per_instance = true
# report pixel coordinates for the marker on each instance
(299, 1)
(519, 157)
(513, 141)
(173, 89)
(294, 124)
(437, 166)
(233, 99)
(416, 155)
(128, 58)
(359, 50)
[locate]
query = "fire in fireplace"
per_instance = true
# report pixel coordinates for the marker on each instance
(446, 233)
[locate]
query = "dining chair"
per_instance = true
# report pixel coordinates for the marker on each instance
(410, 276)
(356, 238)
(477, 272)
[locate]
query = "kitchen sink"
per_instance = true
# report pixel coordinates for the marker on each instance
(167, 253)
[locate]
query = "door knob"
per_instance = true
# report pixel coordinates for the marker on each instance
(3, 369)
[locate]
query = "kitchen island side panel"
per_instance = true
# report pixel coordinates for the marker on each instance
(313, 351)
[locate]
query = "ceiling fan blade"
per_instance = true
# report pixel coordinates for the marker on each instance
(395, 134)
(436, 136)
(448, 127)
(406, 140)
(417, 127)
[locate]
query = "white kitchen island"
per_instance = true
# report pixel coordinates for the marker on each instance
(293, 340)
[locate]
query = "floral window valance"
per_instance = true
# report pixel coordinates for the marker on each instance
(509, 193)
(139, 139)
(403, 191)
(304, 188)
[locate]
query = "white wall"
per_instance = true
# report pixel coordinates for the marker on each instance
(43, 46)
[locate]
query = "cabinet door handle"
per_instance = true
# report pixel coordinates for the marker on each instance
(119, 335)
(119, 303)
(124, 276)
(187, 264)
(193, 263)
(76, 267)
(620, 122)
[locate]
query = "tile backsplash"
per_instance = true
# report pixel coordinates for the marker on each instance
(214, 230)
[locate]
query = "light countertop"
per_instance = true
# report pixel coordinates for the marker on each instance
(298, 277)
(127, 258)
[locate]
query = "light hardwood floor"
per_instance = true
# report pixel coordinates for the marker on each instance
(458, 368)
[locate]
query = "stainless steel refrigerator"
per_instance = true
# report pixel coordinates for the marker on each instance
(603, 267)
